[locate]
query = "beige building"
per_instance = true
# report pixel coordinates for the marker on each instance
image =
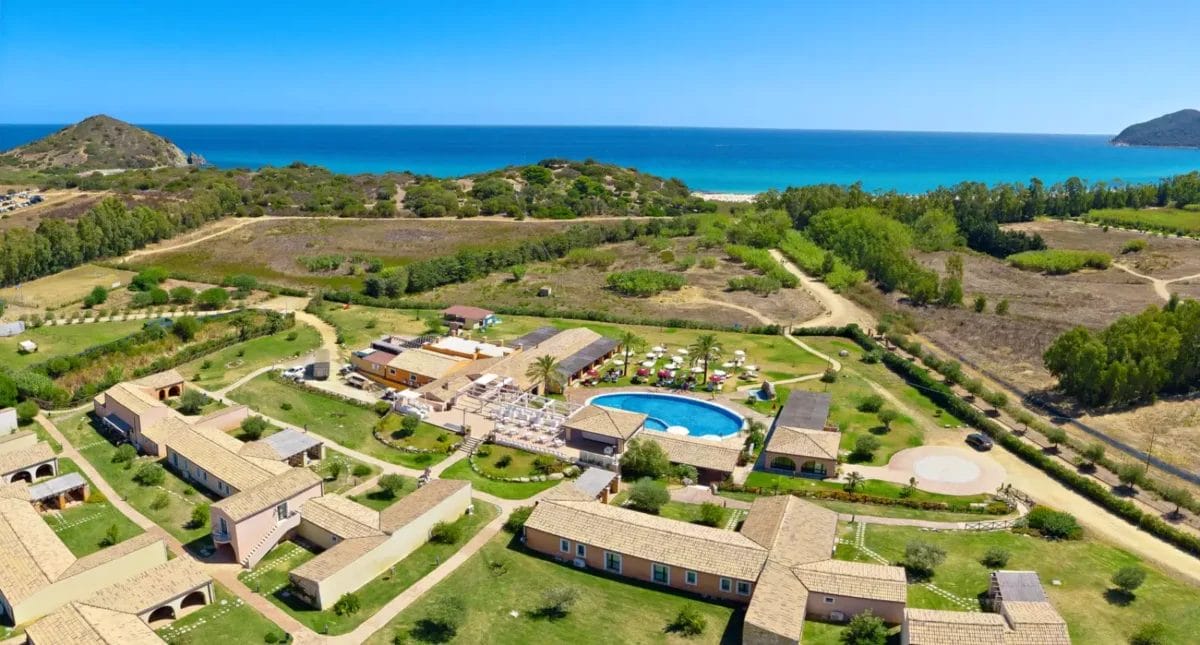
(1021, 614)
(254, 520)
(714, 461)
(600, 429)
(801, 441)
(24, 459)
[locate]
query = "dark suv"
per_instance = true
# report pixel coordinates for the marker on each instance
(980, 441)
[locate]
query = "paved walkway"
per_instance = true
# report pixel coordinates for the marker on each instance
(984, 523)
(938, 469)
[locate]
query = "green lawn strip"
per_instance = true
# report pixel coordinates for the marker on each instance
(346, 478)
(1168, 220)
(489, 458)
(378, 592)
(83, 527)
(685, 512)
(232, 363)
(271, 573)
(180, 496)
(506, 490)
(876, 487)
(1083, 567)
(344, 423)
(379, 498)
(63, 340)
(226, 620)
(504, 578)
(901, 512)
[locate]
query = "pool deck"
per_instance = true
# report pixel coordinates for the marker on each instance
(731, 400)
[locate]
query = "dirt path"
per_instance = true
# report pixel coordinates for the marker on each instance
(1160, 285)
(173, 245)
(839, 311)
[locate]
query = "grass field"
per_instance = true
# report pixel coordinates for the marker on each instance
(503, 461)
(426, 437)
(690, 513)
(378, 498)
(1164, 220)
(1083, 567)
(376, 593)
(226, 620)
(878, 488)
(1059, 261)
(63, 340)
(63, 288)
(83, 527)
(504, 578)
(344, 423)
(505, 490)
(230, 364)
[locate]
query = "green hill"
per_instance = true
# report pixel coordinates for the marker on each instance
(96, 143)
(1176, 130)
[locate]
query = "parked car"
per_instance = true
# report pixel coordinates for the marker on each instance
(296, 371)
(346, 369)
(389, 394)
(980, 441)
(419, 412)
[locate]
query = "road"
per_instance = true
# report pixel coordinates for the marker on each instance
(839, 311)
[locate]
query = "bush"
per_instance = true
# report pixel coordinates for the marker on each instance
(995, 558)
(830, 376)
(864, 447)
(26, 411)
(1134, 246)
(150, 474)
(160, 501)
(285, 406)
(446, 533)
(360, 470)
(644, 282)
(1059, 261)
(516, 520)
(557, 601)
(1129, 578)
(192, 401)
(253, 427)
(504, 461)
(347, 605)
(644, 458)
(182, 295)
(409, 425)
(382, 408)
(124, 454)
(865, 629)
(1131, 475)
(393, 484)
(1052, 524)
(213, 298)
(711, 514)
(980, 304)
(689, 621)
(199, 515)
(921, 558)
(185, 327)
(872, 403)
(648, 496)
(112, 535)
(683, 472)
(1149, 634)
(98, 296)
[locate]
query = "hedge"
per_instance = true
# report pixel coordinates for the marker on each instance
(994, 508)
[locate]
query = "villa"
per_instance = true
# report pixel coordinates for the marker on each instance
(801, 441)
(24, 458)
(1021, 614)
(460, 317)
(714, 461)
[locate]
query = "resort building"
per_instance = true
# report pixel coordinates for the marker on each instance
(24, 458)
(460, 317)
(714, 461)
(577, 350)
(56, 493)
(598, 429)
(254, 520)
(397, 363)
(466, 348)
(8, 420)
(801, 441)
(1021, 614)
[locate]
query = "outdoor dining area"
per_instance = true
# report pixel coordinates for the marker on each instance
(540, 427)
(676, 369)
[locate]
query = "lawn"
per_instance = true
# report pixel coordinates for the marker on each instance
(1083, 569)
(228, 365)
(380, 498)
(226, 620)
(63, 288)
(169, 505)
(83, 527)
(347, 478)
(426, 437)
(65, 340)
(685, 512)
(376, 593)
(879, 488)
(504, 578)
(502, 461)
(347, 424)
(1164, 220)
(506, 490)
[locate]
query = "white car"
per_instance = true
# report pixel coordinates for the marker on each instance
(294, 372)
(420, 413)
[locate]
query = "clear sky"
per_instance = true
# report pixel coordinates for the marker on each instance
(969, 65)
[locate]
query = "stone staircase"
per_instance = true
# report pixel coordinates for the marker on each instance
(470, 444)
(270, 539)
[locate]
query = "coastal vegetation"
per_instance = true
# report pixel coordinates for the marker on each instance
(644, 282)
(1059, 261)
(1172, 221)
(97, 142)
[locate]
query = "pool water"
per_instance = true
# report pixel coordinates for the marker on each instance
(700, 418)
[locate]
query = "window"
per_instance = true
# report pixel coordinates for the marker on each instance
(660, 573)
(743, 588)
(224, 527)
(726, 585)
(828, 600)
(580, 550)
(691, 577)
(564, 545)
(281, 511)
(612, 561)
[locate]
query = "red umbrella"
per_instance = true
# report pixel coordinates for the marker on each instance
(643, 372)
(714, 378)
(664, 373)
(593, 373)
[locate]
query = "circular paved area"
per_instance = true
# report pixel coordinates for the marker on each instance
(939, 469)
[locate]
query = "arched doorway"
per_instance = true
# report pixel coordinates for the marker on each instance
(164, 613)
(45, 470)
(175, 390)
(815, 468)
(194, 599)
(22, 476)
(783, 463)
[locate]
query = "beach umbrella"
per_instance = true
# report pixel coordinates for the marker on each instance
(682, 351)
(727, 365)
(617, 361)
(659, 348)
(643, 372)
(751, 368)
(664, 373)
(719, 373)
(592, 373)
(739, 353)
(647, 363)
(649, 354)
(714, 378)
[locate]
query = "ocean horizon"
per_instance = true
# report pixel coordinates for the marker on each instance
(718, 160)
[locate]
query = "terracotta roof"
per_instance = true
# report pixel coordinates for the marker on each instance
(81, 624)
(160, 431)
(817, 444)
(152, 587)
(701, 453)
(132, 397)
(160, 380)
(118, 550)
(566, 490)
(779, 603)
(25, 457)
(561, 345)
(16, 435)
(466, 346)
(269, 493)
(427, 363)
(418, 502)
(855, 580)
(1034, 623)
(215, 457)
(939, 627)
(607, 422)
(341, 517)
(337, 558)
(658, 539)
(466, 312)
(31, 555)
(795, 531)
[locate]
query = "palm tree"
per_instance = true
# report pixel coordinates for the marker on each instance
(705, 349)
(544, 370)
(852, 481)
(630, 344)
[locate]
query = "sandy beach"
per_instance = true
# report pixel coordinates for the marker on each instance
(737, 198)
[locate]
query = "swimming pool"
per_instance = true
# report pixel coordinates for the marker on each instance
(699, 418)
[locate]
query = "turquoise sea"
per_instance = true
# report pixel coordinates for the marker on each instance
(709, 159)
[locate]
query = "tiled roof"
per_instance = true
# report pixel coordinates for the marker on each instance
(25, 457)
(467, 312)
(939, 627)
(1034, 623)
(111, 553)
(560, 346)
(31, 555)
(607, 422)
(132, 397)
(816, 444)
(160, 380)
(418, 502)
(678, 544)
(855, 580)
(337, 558)
(795, 531)
(152, 587)
(461, 345)
(701, 453)
(160, 431)
(779, 603)
(567, 490)
(215, 457)
(80, 624)
(426, 363)
(341, 517)
(14, 436)
(269, 493)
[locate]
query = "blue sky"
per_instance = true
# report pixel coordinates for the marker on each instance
(1074, 67)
